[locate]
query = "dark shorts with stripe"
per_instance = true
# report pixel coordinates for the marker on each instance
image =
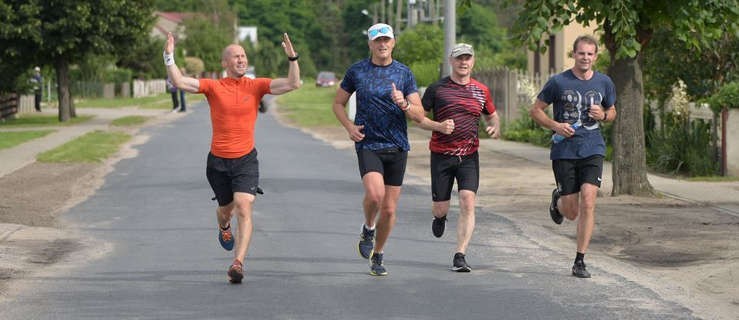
(446, 168)
(389, 162)
(227, 176)
(570, 174)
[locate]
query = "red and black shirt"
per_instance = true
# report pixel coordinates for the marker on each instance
(462, 103)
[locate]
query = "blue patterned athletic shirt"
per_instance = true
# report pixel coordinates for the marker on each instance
(384, 123)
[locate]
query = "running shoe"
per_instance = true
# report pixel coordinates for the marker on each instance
(459, 264)
(236, 272)
(578, 270)
(366, 242)
(226, 238)
(437, 226)
(376, 268)
(553, 211)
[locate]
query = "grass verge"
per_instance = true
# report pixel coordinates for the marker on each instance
(95, 146)
(309, 106)
(13, 138)
(28, 120)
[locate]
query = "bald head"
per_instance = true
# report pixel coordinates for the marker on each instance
(234, 60)
(231, 50)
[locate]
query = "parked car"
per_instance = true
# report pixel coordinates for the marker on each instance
(326, 79)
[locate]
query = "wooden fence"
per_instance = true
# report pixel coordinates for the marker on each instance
(513, 91)
(8, 105)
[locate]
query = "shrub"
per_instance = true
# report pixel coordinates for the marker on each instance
(727, 96)
(682, 146)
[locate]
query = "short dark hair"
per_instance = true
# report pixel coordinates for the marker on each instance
(587, 39)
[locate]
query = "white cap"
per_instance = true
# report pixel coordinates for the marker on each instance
(380, 30)
(37, 69)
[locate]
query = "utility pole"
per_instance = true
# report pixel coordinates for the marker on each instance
(450, 34)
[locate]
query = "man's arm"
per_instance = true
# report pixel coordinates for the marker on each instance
(413, 109)
(354, 131)
(292, 82)
(492, 125)
(537, 113)
(180, 81)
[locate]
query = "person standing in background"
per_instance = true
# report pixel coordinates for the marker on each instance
(173, 92)
(38, 85)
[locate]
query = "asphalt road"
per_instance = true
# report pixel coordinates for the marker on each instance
(155, 223)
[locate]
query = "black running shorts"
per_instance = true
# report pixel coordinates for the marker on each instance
(388, 162)
(445, 169)
(570, 174)
(227, 176)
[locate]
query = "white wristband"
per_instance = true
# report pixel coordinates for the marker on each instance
(168, 59)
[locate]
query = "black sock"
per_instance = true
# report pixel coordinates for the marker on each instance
(580, 257)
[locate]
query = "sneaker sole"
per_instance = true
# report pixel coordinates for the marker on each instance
(581, 276)
(372, 273)
(461, 269)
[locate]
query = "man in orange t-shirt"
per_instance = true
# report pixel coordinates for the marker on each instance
(233, 169)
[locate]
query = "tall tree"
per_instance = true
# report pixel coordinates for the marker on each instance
(627, 27)
(64, 32)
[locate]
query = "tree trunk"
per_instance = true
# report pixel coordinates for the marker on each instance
(629, 152)
(64, 97)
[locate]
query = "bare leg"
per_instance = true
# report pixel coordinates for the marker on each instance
(569, 205)
(386, 221)
(588, 194)
(466, 222)
(242, 210)
(374, 192)
(440, 208)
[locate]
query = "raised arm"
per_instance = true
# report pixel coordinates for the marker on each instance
(178, 79)
(292, 82)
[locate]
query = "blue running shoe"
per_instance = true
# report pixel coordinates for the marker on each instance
(366, 242)
(226, 238)
(376, 268)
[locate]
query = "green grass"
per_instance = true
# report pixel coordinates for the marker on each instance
(310, 106)
(143, 102)
(129, 121)
(14, 138)
(27, 120)
(95, 146)
(160, 101)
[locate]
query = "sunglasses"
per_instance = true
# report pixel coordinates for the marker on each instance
(383, 30)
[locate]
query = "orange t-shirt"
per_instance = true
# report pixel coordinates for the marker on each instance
(233, 113)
